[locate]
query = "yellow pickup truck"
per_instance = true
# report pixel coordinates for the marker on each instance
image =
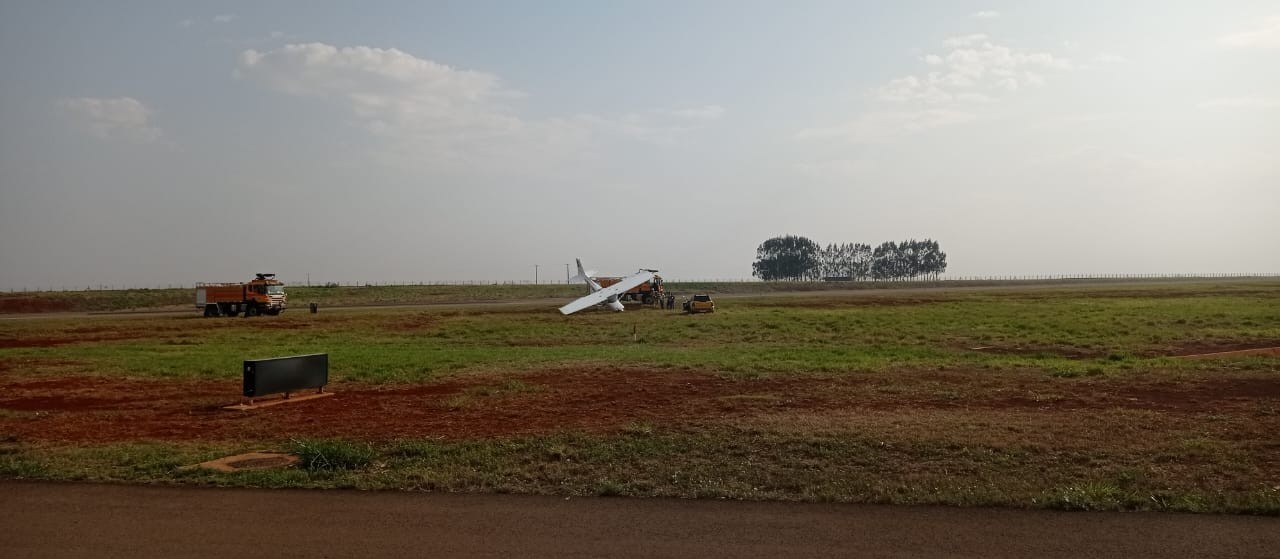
(699, 303)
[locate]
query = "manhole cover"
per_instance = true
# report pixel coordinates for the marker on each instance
(250, 461)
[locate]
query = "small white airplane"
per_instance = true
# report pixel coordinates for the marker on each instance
(609, 296)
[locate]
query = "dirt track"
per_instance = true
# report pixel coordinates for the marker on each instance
(81, 520)
(102, 409)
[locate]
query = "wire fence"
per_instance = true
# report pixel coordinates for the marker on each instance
(921, 280)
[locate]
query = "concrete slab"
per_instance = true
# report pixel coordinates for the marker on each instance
(263, 403)
(251, 461)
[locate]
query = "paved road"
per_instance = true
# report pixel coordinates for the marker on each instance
(85, 520)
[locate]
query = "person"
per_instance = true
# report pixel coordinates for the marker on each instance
(671, 302)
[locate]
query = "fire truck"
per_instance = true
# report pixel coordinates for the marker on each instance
(263, 295)
(645, 293)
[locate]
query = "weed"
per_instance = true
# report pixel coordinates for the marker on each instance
(415, 449)
(17, 466)
(639, 428)
(1095, 495)
(333, 454)
(609, 489)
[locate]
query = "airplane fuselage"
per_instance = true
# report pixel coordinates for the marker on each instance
(612, 302)
(605, 296)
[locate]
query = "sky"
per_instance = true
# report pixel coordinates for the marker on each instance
(149, 143)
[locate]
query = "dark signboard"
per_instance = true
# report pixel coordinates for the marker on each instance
(285, 374)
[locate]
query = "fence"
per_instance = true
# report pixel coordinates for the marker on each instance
(942, 278)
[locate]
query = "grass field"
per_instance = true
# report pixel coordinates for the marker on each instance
(300, 296)
(1063, 396)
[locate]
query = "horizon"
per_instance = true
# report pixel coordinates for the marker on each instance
(329, 283)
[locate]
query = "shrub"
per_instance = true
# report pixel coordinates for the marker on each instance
(336, 454)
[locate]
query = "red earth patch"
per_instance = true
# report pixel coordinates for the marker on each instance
(97, 409)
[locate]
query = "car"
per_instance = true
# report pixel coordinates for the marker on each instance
(699, 303)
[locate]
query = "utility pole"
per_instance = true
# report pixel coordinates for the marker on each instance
(308, 279)
(535, 274)
(566, 274)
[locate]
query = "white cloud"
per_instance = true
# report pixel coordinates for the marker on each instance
(911, 88)
(880, 126)
(1109, 58)
(658, 126)
(423, 106)
(1241, 103)
(975, 68)
(185, 23)
(975, 71)
(388, 90)
(708, 112)
(122, 118)
(1265, 36)
(985, 14)
(964, 40)
(224, 18)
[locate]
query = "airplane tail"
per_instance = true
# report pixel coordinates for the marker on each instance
(582, 276)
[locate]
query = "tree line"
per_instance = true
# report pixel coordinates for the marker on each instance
(794, 258)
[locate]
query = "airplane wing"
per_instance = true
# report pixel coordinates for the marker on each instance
(624, 285)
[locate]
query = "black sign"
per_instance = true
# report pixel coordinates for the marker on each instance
(285, 374)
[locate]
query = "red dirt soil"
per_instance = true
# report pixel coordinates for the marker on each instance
(6, 343)
(96, 409)
(14, 304)
(1206, 351)
(1189, 350)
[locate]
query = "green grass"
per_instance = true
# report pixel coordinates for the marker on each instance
(911, 348)
(300, 296)
(717, 464)
(1066, 333)
(336, 454)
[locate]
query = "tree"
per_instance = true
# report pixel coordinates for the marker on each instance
(794, 258)
(884, 259)
(830, 261)
(934, 261)
(909, 259)
(860, 259)
(788, 257)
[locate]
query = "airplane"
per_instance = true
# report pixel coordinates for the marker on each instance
(608, 296)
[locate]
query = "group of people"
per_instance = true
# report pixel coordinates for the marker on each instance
(665, 302)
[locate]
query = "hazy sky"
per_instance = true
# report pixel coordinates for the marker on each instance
(167, 142)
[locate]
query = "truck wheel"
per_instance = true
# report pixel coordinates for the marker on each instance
(231, 311)
(647, 299)
(251, 310)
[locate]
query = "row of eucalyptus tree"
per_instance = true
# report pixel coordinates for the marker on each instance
(796, 258)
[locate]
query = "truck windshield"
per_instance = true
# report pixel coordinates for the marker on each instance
(275, 289)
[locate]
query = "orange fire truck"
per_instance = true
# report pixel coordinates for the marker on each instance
(263, 295)
(645, 292)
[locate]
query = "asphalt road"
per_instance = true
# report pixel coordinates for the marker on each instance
(86, 520)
